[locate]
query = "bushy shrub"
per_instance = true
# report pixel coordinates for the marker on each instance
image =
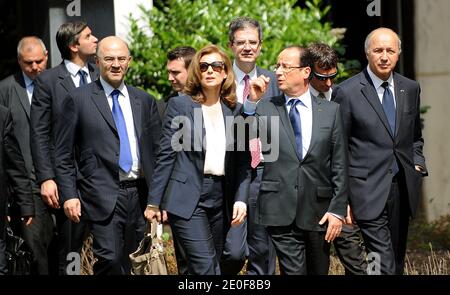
(196, 23)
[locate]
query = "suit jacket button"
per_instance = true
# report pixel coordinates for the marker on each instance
(390, 171)
(296, 187)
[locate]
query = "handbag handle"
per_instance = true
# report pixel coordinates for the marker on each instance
(155, 229)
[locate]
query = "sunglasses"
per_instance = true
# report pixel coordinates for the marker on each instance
(217, 66)
(321, 77)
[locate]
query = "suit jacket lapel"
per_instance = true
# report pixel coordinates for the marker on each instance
(65, 78)
(197, 126)
(21, 92)
(101, 102)
(136, 109)
(280, 104)
(400, 101)
(371, 95)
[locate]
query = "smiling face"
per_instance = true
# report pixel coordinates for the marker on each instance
(383, 53)
(113, 60)
(214, 74)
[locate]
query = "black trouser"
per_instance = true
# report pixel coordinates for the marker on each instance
(3, 263)
(38, 235)
(348, 246)
(119, 235)
(300, 252)
(385, 237)
(201, 236)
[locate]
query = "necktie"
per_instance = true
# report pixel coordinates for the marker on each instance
(246, 91)
(82, 75)
(294, 116)
(322, 96)
(255, 152)
(389, 110)
(125, 159)
(388, 106)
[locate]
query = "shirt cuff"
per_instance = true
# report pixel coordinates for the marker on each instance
(250, 107)
(240, 204)
(338, 216)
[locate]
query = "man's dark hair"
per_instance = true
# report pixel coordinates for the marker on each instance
(242, 23)
(184, 52)
(305, 56)
(323, 56)
(68, 34)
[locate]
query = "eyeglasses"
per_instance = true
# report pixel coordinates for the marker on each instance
(109, 60)
(321, 77)
(217, 66)
(241, 43)
(285, 69)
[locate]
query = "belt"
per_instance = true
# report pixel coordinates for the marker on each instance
(211, 176)
(130, 183)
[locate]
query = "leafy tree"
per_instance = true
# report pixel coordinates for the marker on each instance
(197, 23)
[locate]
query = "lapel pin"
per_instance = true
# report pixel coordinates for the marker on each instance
(402, 90)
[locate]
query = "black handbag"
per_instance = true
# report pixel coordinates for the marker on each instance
(18, 255)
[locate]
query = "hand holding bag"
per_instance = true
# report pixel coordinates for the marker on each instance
(149, 258)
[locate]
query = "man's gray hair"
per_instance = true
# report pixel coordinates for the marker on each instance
(367, 41)
(25, 40)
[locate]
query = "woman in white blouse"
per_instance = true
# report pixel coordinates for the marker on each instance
(199, 179)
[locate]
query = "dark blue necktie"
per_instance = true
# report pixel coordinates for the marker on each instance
(389, 110)
(296, 123)
(125, 159)
(389, 106)
(82, 75)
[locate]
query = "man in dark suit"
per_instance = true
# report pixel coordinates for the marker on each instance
(14, 175)
(302, 198)
(325, 68)
(110, 131)
(76, 45)
(15, 94)
(178, 61)
(381, 114)
(249, 239)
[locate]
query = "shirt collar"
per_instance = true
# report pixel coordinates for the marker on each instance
(377, 81)
(74, 68)
(240, 74)
(316, 92)
(108, 88)
(27, 80)
(305, 98)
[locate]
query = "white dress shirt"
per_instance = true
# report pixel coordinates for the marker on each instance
(73, 70)
(380, 89)
(215, 139)
(29, 85)
(305, 110)
(240, 80)
(125, 105)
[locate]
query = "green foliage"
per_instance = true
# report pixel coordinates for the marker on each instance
(422, 233)
(201, 22)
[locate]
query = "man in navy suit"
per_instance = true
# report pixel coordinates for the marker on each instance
(381, 114)
(76, 44)
(249, 239)
(110, 132)
(15, 93)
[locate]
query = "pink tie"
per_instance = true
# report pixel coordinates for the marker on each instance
(255, 151)
(246, 91)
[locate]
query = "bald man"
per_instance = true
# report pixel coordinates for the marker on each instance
(110, 131)
(33, 216)
(381, 112)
